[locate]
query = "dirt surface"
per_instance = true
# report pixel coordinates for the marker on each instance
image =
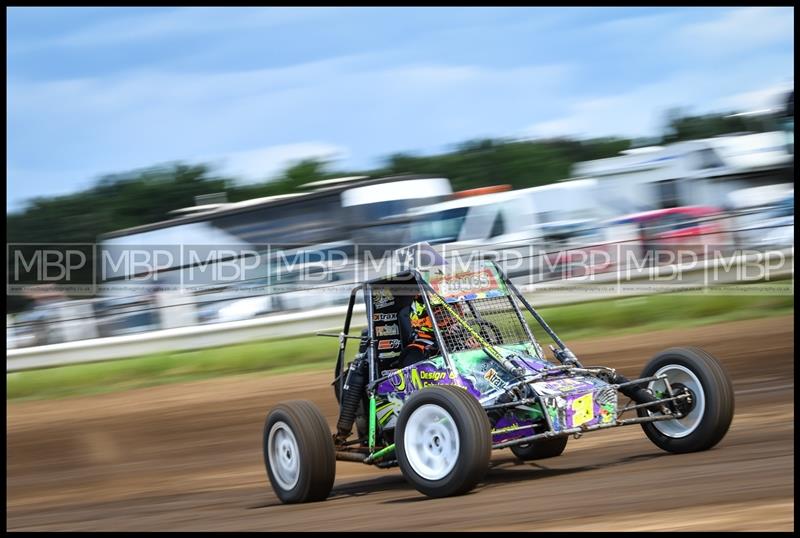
(188, 457)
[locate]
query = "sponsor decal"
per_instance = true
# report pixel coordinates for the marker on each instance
(433, 376)
(387, 411)
(607, 412)
(552, 408)
(582, 409)
(414, 378)
(565, 385)
(387, 330)
(383, 298)
(492, 377)
(389, 355)
(385, 317)
(473, 284)
(394, 343)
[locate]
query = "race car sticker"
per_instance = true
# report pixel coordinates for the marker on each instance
(389, 344)
(555, 411)
(468, 285)
(387, 330)
(392, 316)
(606, 404)
(492, 377)
(582, 410)
(382, 298)
(420, 375)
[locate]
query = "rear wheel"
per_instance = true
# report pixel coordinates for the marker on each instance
(707, 414)
(298, 452)
(541, 449)
(443, 440)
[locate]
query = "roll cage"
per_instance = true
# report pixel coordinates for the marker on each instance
(403, 287)
(410, 283)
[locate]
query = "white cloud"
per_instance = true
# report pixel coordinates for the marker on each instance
(122, 122)
(649, 24)
(760, 78)
(770, 97)
(169, 23)
(164, 115)
(640, 112)
(738, 31)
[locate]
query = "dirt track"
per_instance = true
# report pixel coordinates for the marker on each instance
(188, 457)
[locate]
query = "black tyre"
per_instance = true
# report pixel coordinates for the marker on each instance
(298, 452)
(443, 440)
(541, 449)
(710, 412)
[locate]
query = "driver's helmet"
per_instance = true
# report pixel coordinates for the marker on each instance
(421, 321)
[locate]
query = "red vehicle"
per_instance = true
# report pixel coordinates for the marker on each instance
(668, 232)
(578, 248)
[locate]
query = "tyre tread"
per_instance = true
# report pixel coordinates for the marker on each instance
(720, 404)
(478, 430)
(313, 437)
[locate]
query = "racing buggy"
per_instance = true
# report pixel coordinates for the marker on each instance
(487, 384)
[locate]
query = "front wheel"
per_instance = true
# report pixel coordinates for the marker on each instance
(298, 452)
(707, 414)
(443, 440)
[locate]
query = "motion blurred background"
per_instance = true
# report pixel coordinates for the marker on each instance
(297, 132)
(162, 147)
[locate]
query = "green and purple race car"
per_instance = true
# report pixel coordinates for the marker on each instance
(486, 384)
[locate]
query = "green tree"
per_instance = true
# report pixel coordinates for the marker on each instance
(680, 125)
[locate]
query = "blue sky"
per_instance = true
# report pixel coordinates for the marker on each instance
(94, 91)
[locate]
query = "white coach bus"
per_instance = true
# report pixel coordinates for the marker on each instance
(259, 251)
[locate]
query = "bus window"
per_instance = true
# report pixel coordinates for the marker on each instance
(498, 228)
(440, 227)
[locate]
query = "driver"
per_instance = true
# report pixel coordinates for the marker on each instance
(424, 344)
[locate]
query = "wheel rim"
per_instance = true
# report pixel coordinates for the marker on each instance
(431, 442)
(284, 457)
(682, 427)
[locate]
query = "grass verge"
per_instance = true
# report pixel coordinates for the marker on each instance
(584, 320)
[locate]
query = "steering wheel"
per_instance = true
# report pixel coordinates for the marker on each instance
(486, 329)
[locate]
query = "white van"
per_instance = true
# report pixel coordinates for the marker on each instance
(517, 224)
(475, 221)
(507, 217)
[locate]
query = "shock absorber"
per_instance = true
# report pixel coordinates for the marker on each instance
(637, 393)
(352, 392)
